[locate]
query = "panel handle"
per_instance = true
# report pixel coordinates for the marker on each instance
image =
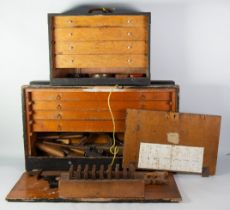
(102, 10)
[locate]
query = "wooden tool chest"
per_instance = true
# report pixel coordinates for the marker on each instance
(67, 133)
(60, 111)
(102, 49)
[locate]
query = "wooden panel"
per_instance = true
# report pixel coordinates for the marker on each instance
(99, 34)
(80, 115)
(100, 61)
(77, 126)
(193, 130)
(100, 21)
(29, 188)
(117, 95)
(100, 105)
(101, 47)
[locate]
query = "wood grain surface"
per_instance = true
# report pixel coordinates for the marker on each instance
(152, 127)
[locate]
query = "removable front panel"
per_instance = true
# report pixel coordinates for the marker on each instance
(175, 141)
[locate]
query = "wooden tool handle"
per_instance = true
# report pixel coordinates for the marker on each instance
(50, 150)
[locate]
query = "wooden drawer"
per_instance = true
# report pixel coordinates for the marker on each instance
(100, 47)
(79, 114)
(78, 94)
(100, 61)
(99, 21)
(99, 34)
(77, 126)
(98, 106)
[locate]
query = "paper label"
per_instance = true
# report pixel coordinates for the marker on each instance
(171, 157)
(173, 138)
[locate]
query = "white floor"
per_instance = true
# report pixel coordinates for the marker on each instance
(197, 192)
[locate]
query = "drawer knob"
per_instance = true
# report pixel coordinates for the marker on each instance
(70, 21)
(129, 33)
(129, 60)
(70, 34)
(58, 97)
(59, 117)
(129, 47)
(130, 21)
(72, 61)
(71, 47)
(59, 127)
(59, 107)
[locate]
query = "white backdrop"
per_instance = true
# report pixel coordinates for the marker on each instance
(190, 44)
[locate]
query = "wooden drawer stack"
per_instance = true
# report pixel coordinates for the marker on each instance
(85, 45)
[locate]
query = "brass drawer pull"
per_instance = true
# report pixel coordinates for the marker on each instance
(129, 21)
(59, 107)
(129, 33)
(59, 127)
(129, 47)
(129, 60)
(59, 116)
(58, 97)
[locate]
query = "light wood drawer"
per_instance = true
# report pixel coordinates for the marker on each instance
(98, 106)
(90, 95)
(100, 34)
(100, 61)
(99, 21)
(101, 47)
(79, 115)
(77, 126)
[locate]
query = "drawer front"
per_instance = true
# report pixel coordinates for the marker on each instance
(79, 114)
(100, 61)
(100, 47)
(98, 105)
(127, 95)
(100, 34)
(75, 110)
(77, 126)
(100, 21)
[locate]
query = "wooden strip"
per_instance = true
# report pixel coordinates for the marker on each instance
(77, 126)
(101, 189)
(101, 47)
(78, 95)
(80, 115)
(100, 21)
(100, 61)
(98, 105)
(100, 34)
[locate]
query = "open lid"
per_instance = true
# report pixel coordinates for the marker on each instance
(180, 139)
